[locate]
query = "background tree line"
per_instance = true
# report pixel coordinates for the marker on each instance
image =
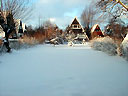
(113, 13)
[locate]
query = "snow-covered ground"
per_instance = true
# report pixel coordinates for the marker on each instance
(46, 70)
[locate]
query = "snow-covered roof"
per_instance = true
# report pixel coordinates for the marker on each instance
(54, 39)
(17, 24)
(73, 20)
(126, 38)
(125, 41)
(76, 21)
(94, 27)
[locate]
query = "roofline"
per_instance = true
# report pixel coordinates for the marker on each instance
(93, 29)
(78, 21)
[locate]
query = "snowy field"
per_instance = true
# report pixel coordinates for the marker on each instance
(46, 70)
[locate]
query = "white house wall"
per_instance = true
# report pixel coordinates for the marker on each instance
(17, 24)
(2, 33)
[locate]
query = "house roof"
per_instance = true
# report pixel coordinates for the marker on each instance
(125, 41)
(76, 21)
(17, 24)
(94, 27)
(126, 38)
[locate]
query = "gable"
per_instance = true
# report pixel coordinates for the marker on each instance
(76, 25)
(75, 21)
(95, 27)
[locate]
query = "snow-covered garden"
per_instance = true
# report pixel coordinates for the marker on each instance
(60, 70)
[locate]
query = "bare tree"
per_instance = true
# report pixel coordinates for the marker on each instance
(20, 9)
(115, 8)
(88, 15)
(50, 29)
(116, 29)
(87, 18)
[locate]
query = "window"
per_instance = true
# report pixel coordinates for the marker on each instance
(75, 26)
(97, 29)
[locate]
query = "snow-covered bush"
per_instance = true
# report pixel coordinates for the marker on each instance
(105, 44)
(18, 45)
(70, 43)
(124, 47)
(26, 42)
(30, 40)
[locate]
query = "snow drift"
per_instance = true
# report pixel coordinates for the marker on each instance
(48, 70)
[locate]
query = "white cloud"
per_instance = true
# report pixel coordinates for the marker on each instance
(52, 20)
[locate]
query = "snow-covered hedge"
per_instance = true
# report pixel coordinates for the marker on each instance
(105, 44)
(23, 43)
(18, 45)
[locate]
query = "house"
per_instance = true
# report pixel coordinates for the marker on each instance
(20, 28)
(76, 29)
(17, 23)
(96, 31)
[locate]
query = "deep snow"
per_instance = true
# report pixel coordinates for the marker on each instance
(46, 70)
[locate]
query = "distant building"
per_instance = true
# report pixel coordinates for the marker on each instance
(20, 28)
(77, 29)
(96, 31)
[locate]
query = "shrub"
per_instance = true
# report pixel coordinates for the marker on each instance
(39, 37)
(29, 40)
(18, 44)
(105, 44)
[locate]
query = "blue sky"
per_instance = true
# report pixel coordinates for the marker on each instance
(59, 11)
